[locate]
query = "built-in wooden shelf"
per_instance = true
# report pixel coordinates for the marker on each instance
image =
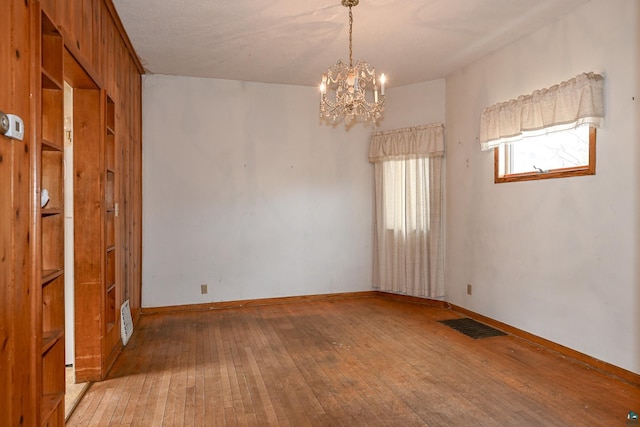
(77, 44)
(50, 369)
(52, 211)
(50, 275)
(100, 185)
(49, 81)
(51, 101)
(51, 402)
(110, 326)
(48, 145)
(50, 338)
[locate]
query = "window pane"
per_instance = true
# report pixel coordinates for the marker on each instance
(406, 192)
(557, 150)
(393, 181)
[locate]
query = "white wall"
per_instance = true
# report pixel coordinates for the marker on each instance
(245, 190)
(414, 105)
(558, 258)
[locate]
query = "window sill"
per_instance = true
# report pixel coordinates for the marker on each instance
(558, 173)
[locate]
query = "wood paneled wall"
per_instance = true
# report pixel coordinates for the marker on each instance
(16, 272)
(94, 36)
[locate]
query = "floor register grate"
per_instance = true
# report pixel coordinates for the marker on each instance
(472, 328)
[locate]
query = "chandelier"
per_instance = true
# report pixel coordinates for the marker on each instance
(351, 84)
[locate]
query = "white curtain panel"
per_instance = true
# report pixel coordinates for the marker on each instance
(563, 106)
(408, 237)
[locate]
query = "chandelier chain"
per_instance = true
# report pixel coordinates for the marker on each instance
(350, 38)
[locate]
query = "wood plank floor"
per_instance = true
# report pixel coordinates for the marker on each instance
(353, 362)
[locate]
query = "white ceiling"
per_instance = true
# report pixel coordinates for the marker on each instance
(294, 41)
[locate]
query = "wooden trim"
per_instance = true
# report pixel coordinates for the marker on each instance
(75, 71)
(123, 33)
(31, 409)
(293, 300)
(411, 299)
(22, 291)
(75, 64)
(557, 173)
(496, 164)
(74, 404)
(604, 367)
(589, 169)
(256, 302)
(592, 151)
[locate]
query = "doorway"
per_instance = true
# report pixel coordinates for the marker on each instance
(76, 81)
(68, 227)
(74, 391)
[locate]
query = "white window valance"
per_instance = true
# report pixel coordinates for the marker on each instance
(564, 106)
(412, 142)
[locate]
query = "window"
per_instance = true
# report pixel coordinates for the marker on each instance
(550, 133)
(408, 237)
(557, 154)
(405, 194)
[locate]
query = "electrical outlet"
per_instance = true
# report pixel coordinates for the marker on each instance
(203, 289)
(469, 289)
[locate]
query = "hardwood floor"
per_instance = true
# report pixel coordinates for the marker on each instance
(353, 362)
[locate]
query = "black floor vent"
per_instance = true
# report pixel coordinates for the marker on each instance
(472, 328)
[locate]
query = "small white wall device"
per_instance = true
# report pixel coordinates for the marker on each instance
(11, 126)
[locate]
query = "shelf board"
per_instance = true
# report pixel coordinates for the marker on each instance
(110, 169)
(111, 287)
(49, 275)
(50, 145)
(110, 326)
(49, 404)
(111, 248)
(48, 28)
(110, 130)
(52, 211)
(50, 338)
(49, 81)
